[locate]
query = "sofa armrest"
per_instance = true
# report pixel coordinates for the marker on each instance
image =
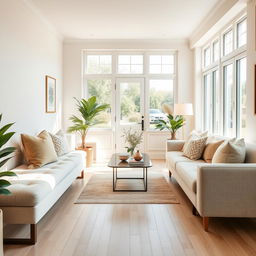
(174, 145)
(226, 190)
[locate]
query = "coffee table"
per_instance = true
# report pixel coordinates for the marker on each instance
(116, 164)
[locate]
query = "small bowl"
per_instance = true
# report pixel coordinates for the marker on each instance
(123, 157)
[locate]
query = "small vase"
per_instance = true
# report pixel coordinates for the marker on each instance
(173, 136)
(137, 156)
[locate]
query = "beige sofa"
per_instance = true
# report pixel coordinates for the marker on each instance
(35, 191)
(215, 190)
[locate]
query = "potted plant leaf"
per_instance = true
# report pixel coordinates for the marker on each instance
(172, 123)
(133, 138)
(5, 136)
(89, 109)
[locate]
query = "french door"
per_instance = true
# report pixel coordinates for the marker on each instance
(130, 110)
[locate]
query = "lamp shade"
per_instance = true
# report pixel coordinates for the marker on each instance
(185, 109)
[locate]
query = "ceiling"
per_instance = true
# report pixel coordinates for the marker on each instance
(130, 19)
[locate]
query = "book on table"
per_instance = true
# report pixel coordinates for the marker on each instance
(133, 162)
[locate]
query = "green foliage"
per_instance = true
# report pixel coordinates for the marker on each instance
(173, 123)
(4, 138)
(133, 138)
(89, 110)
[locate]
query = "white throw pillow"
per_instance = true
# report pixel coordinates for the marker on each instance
(60, 143)
(195, 148)
(230, 151)
(194, 134)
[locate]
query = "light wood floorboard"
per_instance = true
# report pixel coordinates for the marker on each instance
(133, 230)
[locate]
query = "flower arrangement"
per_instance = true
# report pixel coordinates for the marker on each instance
(133, 138)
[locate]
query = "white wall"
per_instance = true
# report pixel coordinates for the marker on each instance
(72, 64)
(29, 50)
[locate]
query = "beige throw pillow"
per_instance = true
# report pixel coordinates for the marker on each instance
(195, 148)
(38, 150)
(194, 134)
(210, 149)
(60, 143)
(230, 151)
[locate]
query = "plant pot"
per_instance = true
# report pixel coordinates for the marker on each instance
(1, 233)
(173, 136)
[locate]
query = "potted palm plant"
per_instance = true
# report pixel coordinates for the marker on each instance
(88, 109)
(172, 123)
(4, 157)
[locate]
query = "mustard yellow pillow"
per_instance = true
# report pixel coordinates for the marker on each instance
(38, 150)
(210, 149)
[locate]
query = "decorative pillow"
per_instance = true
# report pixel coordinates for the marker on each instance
(210, 149)
(38, 150)
(194, 134)
(230, 151)
(60, 143)
(195, 148)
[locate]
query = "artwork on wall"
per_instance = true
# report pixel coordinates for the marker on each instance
(50, 94)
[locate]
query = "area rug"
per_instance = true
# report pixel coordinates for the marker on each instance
(99, 190)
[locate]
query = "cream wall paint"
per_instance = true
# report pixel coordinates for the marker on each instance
(29, 50)
(72, 64)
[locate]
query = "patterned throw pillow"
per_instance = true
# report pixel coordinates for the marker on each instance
(195, 148)
(194, 134)
(60, 143)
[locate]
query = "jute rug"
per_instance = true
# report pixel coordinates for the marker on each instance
(99, 190)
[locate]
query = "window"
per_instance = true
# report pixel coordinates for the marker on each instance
(99, 64)
(160, 92)
(101, 88)
(130, 64)
(229, 118)
(241, 33)
(207, 103)
(207, 57)
(161, 64)
(228, 42)
(216, 50)
(241, 96)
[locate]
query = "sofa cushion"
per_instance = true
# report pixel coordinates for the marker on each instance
(60, 143)
(210, 149)
(187, 171)
(31, 186)
(195, 148)
(174, 157)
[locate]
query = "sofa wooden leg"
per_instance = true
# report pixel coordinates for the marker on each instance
(82, 175)
(170, 174)
(31, 240)
(206, 223)
(194, 211)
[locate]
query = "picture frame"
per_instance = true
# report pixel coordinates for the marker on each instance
(50, 94)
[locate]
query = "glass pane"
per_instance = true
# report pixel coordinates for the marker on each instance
(137, 59)
(99, 64)
(167, 59)
(215, 103)
(160, 92)
(130, 103)
(207, 103)
(207, 57)
(124, 69)
(241, 33)
(241, 82)
(228, 42)
(155, 69)
(229, 102)
(136, 69)
(216, 51)
(155, 59)
(167, 69)
(124, 59)
(101, 88)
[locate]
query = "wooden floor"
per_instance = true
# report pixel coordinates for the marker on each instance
(119, 230)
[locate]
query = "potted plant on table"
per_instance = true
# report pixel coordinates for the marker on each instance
(4, 157)
(89, 109)
(133, 138)
(172, 123)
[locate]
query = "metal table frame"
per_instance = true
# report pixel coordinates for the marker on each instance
(144, 178)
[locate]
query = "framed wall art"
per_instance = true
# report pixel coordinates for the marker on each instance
(50, 94)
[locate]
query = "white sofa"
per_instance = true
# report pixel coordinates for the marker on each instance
(35, 191)
(215, 190)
